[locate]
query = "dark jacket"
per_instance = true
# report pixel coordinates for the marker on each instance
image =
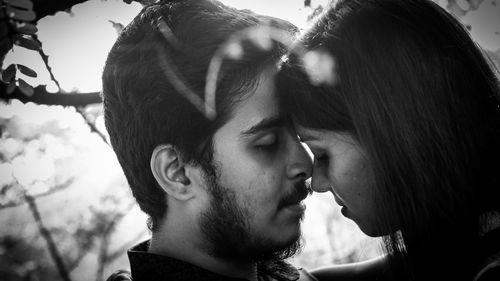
(152, 267)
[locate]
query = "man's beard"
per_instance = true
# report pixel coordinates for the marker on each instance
(227, 228)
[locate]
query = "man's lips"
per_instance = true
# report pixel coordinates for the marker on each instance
(300, 192)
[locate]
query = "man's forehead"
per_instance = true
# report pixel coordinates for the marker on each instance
(259, 109)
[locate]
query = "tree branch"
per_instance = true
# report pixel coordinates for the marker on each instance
(92, 126)
(103, 255)
(103, 258)
(41, 96)
(53, 190)
(76, 262)
(45, 59)
(54, 252)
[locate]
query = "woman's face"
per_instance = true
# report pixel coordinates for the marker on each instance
(341, 166)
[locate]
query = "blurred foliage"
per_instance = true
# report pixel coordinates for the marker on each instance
(22, 259)
(49, 153)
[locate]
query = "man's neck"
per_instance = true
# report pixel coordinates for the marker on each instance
(190, 248)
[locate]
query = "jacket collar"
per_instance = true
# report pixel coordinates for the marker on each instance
(147, 266)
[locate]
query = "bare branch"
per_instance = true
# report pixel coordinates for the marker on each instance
(92, 126)
(103, 258)
(41, 96)
(103, 255)
(74, 263)
(45, 59)
(53, 190)
(53, 250)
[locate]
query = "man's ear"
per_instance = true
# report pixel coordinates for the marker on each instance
(170, 173)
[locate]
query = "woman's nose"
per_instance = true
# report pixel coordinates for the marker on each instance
(319, 182)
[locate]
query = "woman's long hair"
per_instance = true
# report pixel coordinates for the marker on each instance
(423, 101)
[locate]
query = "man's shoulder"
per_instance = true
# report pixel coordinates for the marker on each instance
(120, 275)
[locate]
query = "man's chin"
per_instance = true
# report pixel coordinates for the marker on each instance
(263, 249)
(283, 250)
(280, 241)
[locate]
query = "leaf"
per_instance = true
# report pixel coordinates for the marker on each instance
(117, 26)
(475, 4)
(24, 4)
(23, 27)
(26, 42)
(261, 38)
(321, 67)
(11, 88)
(5, 46)
(234, 50)
(26, 70)
(26, 88)
(9, 73)
(21, 15)
(464, 4)
(455, 9)
(4, 30)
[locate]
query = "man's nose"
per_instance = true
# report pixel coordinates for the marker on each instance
(300, 163)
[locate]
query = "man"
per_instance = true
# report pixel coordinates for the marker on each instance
(224, 192)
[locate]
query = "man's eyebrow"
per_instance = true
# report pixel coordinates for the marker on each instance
(264, 124)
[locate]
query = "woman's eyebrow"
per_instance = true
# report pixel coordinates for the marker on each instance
(306, 138)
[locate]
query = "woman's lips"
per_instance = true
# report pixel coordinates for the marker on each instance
(343, 208)
(336, 197)
(344, 212)
(338, 201)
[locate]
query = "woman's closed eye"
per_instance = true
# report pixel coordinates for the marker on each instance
(321, 158)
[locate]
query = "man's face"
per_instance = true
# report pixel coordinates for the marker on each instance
(256, 192)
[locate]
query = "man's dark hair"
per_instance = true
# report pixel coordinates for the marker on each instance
(165, 50)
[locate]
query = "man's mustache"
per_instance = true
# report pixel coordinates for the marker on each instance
(299, 192)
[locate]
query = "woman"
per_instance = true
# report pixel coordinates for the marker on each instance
(405, 130)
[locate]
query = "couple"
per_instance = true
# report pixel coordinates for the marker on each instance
(405, 133)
